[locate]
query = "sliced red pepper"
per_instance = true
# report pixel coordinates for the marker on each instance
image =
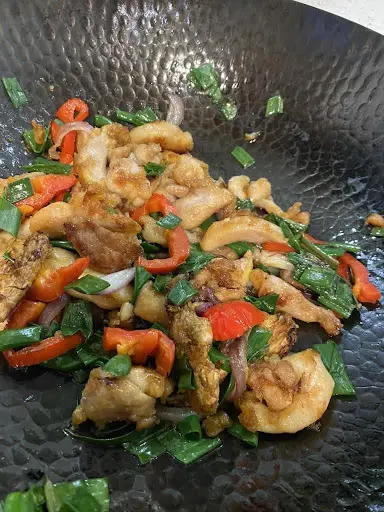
(140, 345)
(232, 319)
(73, 110)
(363, 289)
(26, 311)
(46, 188)
(343, 271)
(314, 240)
(49, 285)
(43, 351)
(54, 131)
(156, 203)
(277, 247)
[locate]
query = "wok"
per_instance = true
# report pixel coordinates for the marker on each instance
(325, 150)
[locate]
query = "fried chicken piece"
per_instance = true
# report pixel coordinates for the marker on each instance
(17, 276)
(168, 135)
(51, 219)
(131, 398)
(190, 172)
(215, 424)
(292, 301)
(283, 330)
(193, 339)
(375, 219)
(150, 305)
(227, 278)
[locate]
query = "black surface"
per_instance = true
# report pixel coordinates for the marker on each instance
(325, 150)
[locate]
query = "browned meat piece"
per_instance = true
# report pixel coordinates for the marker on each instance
(131, 398)
(375, 219)
(169, 136)
(193, 339)
(283, 330)
(215, 424)
(17, 276)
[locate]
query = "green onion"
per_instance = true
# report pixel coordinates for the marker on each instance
(317, 278)
(288, 226)
(204, 77)
(207, 223)
(159, 327)
(155, 215)
(333, 303)
(29, 501)
(257, 344)
(241, 248)
(263, 268)
(66, 363)
(32, 144)
(186, 450)
(63, 244)
(19, 190)
(10, 217)
(138, 118)
(226, 388)
(112, 211)
(150, 248)
(119, 366)
(219, 359)
(377, 232)
(77, 318)
(146, 451)
(48, 332)
(181, 292)
(15, 92)
(162, 282)
(331, 251)
(229, 109)
(245, 204)
(141, 278)
(100, 440)
(17, 338)
(8, 257)
(334, 363)
(153, 169)
(275, 105)
(243, 157)
(190, 427)
(266, 303)
(170, 221)
(346, 247)
(237, 430)
(88, 284)
(184, 374)
(47, 166)
(79, 496)
(214, 93)
(316, 251)
(196, 260)
(101, 120)
(67, 197)
(92, 352)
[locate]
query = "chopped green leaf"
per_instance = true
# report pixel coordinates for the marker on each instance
(181, 292)
(146, 451)
(66, 363)
(184, 374)
(316, 251)
(63, 244)
(67, 197)
(162, 282)
(17, 338)
(79, 496)
(92, 352)
(141, 277)
(334, 363)
(257, 344)
(33, 145)
(207, 223)
(170, 221)
(346, 247)
(190, 427)
(226, 388)
(47, 166)
(138, 118)
(266, 303)
(241, 248)
(275, 105)
(101, 120)
(229, 109)
(288, 226)
(237, 430)
(159, 327)
(245, 204)
(150, 248)
(214, 93)
(219, 359)
(331, 251)
(29, 501)
(243, 157)
(88, 284)
(377, 232)
(204, 77)
(153, 169)
(48, 332)
(196, 260)
(77, 318)
(15, 92)
(119, 366)
(18, 190)
(10, 217)
(186, 450)
(155, 215)
(8, 257)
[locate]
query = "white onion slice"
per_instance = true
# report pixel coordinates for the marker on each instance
(117, 280)
(175, 113)
(78, 126)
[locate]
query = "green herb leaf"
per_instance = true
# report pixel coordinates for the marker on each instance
(8, 257)
(17, 338)
(10, 217)
(243, 157)
(101, 120)
(138, 118)
(63, 244)
(77, 318)
(331, 251)
(219, 359)
(226, 388)
(47, 167)
(288, 226)
(79, 496)
(88, 284)
(162, 282)
(207, 223)
(141, 277)
(29, 501)
(196, 260)
(153, 169)
(237, 430)
(245, 204)
(18, 190)
(275, 105)
(214, 93)
(204, 77)
(32, 144)
(150, 248)
(146, 451)
(66, 363)
(170, 221)
(48, 332)
(159, 327)
(377, 232)
(15, 92)
(92, 353)
(316, 251)
(345, 246)
(257, 344)
(184, 374)
(155, 215)
(181, 293)
(334, 364)
(229, 109)
(266, 303)
(119, 366)
(190, 427)
(241, 248)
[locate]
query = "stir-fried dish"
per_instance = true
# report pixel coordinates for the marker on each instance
(172, 295)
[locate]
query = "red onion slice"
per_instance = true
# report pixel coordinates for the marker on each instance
(117, 280)
(175, 113)
(236, 351)
(78, 126)
(52, 310)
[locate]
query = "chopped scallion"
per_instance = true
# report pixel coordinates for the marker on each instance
(186, 450)
(207, 223)
(275, 105)
(162, 282)
(181, 292)
(17, 338)
(101, 120)
(170, 221)
(153, 169)
(32, 144)
(204, 77)
(63, 244)
(241, 248)
(19, 190)
(245, 204)
(190, 427)
(88, 284)
(137, 118)
(10, 217)
(237, 430)
(229, 109)
(8, 257)
(243, 157)
(15, 92)
(47, 166)
(266, 303)
(377, 232)
(141, 278)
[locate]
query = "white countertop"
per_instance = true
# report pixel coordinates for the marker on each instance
(369, 13)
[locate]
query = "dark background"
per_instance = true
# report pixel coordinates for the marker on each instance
(325, 150)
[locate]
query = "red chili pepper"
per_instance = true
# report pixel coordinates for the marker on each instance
(314, 240)
(71, 111)
(277, 247)
(26, 311)
(46, 188)
(178, 243)
(232, 319)
(49, 285)
(140, 344)
(42, 351)
(343, 271)
(363, 289)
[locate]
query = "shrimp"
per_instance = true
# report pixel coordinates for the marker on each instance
(286, 396)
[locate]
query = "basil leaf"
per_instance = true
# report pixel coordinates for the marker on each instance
(88, 284)
(162, 282)
(137, 118)
(239, 431)
(153, 169)
(47, 166)
(226, 388)
(17, 338)
(245, 204)
(257, 344)
(77, 318)
(15, 92)
(207, 223)
(241, 248)
(170, 221)
(119, 366)
(334, 364)
(181, 293)
(219, 359)
(10, 217)
(196, 260)
(141, 277)
(266, 303)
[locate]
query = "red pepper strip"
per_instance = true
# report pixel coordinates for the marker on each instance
(49, 285)
(54, 131)
(141, 344)
(314, 240)
(67, 148)
(156, 203)
(46, 188)
(42, 351)
(26, 311)
(66, 113)
(363, 289)
(232, 319)
(277, 247)
(343, 271)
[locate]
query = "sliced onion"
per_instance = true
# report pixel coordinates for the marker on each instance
(117, 280)
(173, 414)
(52, 310)
(78, 126)
(236, 351)
(175, 113)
